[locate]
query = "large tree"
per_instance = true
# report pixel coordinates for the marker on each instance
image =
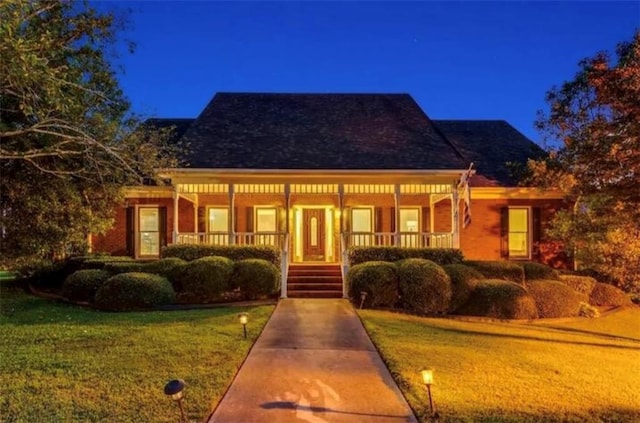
(593, 122)
(68, 143)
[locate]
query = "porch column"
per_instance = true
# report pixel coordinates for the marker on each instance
(176, 230)
(284, 264)
(195, 220)
(396, 200)
(344, 266)
(455, 229)
(231, 215)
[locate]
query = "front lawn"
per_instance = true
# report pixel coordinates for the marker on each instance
(65, 363)
(573, 370)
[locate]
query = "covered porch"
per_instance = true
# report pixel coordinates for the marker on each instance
(317, 221)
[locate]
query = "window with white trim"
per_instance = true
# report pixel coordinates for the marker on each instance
(266, 219)
(519, 232)
(218, 219)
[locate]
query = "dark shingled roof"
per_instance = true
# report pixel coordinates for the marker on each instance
(490, 145)
(317, 131)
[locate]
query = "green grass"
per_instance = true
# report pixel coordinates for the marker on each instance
(571, 370)
(64, 363)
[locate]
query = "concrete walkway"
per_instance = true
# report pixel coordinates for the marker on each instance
(313, 363)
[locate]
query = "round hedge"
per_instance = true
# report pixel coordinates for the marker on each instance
(170, 268)
(124, 267)
(604, 294)
(256, 278)
(581, 284)
(502, 269)
(83, 284)
(463, 281)
(425, 287)
(534, 271)
(204, 280)
(134, 291)
(379, 279)
(555, 299)
(500, 299)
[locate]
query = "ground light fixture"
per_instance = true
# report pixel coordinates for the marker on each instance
(175, 390)
(363, 296)
(427, 379)
(244, 319)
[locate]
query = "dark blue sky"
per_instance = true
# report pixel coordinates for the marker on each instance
(459, 60)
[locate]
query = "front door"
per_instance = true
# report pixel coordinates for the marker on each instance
(313, 245)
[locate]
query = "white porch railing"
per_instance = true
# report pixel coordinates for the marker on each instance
(275, 239)
(402, 239)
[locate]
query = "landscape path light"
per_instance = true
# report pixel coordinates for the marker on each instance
(427, 379)
(175, 390)
(244, 319)
(363, 296)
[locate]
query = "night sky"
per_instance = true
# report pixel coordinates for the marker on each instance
(459, 60)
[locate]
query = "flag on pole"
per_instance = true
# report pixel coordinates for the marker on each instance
(466, 196)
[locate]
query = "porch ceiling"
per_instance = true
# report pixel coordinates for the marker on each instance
(329, 176)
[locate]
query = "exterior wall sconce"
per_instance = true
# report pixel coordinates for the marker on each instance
(244, 319)
(175, 390)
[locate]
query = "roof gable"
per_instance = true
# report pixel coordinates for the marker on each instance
(490, 145)
(318, 131)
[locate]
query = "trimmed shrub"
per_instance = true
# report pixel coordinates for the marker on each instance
(500, 299)
(533, 271)
(83, 284)
(205, 280)
(99, 262)
(134, 291)
(505, 270)
(441, 256)
(581, 284)
(118, 267)
(190, 252)
(256, 278)
(555, 299)
(425, 287)
(379, 279)
(463, 281)
(604, 294)
(589, 311)
(167, 267)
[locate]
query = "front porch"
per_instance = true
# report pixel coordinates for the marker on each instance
(316, 222)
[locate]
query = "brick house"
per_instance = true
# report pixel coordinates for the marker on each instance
(314, 174)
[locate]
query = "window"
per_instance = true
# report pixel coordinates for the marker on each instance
(361, 220)
(362, 225)
(149, 233)
(409, 219)
(409, 224)
(218, 220)
(518, 232)
(266, 219)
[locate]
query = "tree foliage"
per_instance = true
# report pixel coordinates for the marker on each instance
(68, 143)
(594, 120)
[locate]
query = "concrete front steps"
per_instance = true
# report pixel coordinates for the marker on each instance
(314, 281)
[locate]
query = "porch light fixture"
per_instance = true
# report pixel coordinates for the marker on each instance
(175, 390)
(244, 319)
(363, 296)
(427, 379)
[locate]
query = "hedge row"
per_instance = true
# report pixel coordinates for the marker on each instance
(190, 252)
(441, 256)
(418, 285)
(205, 280)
